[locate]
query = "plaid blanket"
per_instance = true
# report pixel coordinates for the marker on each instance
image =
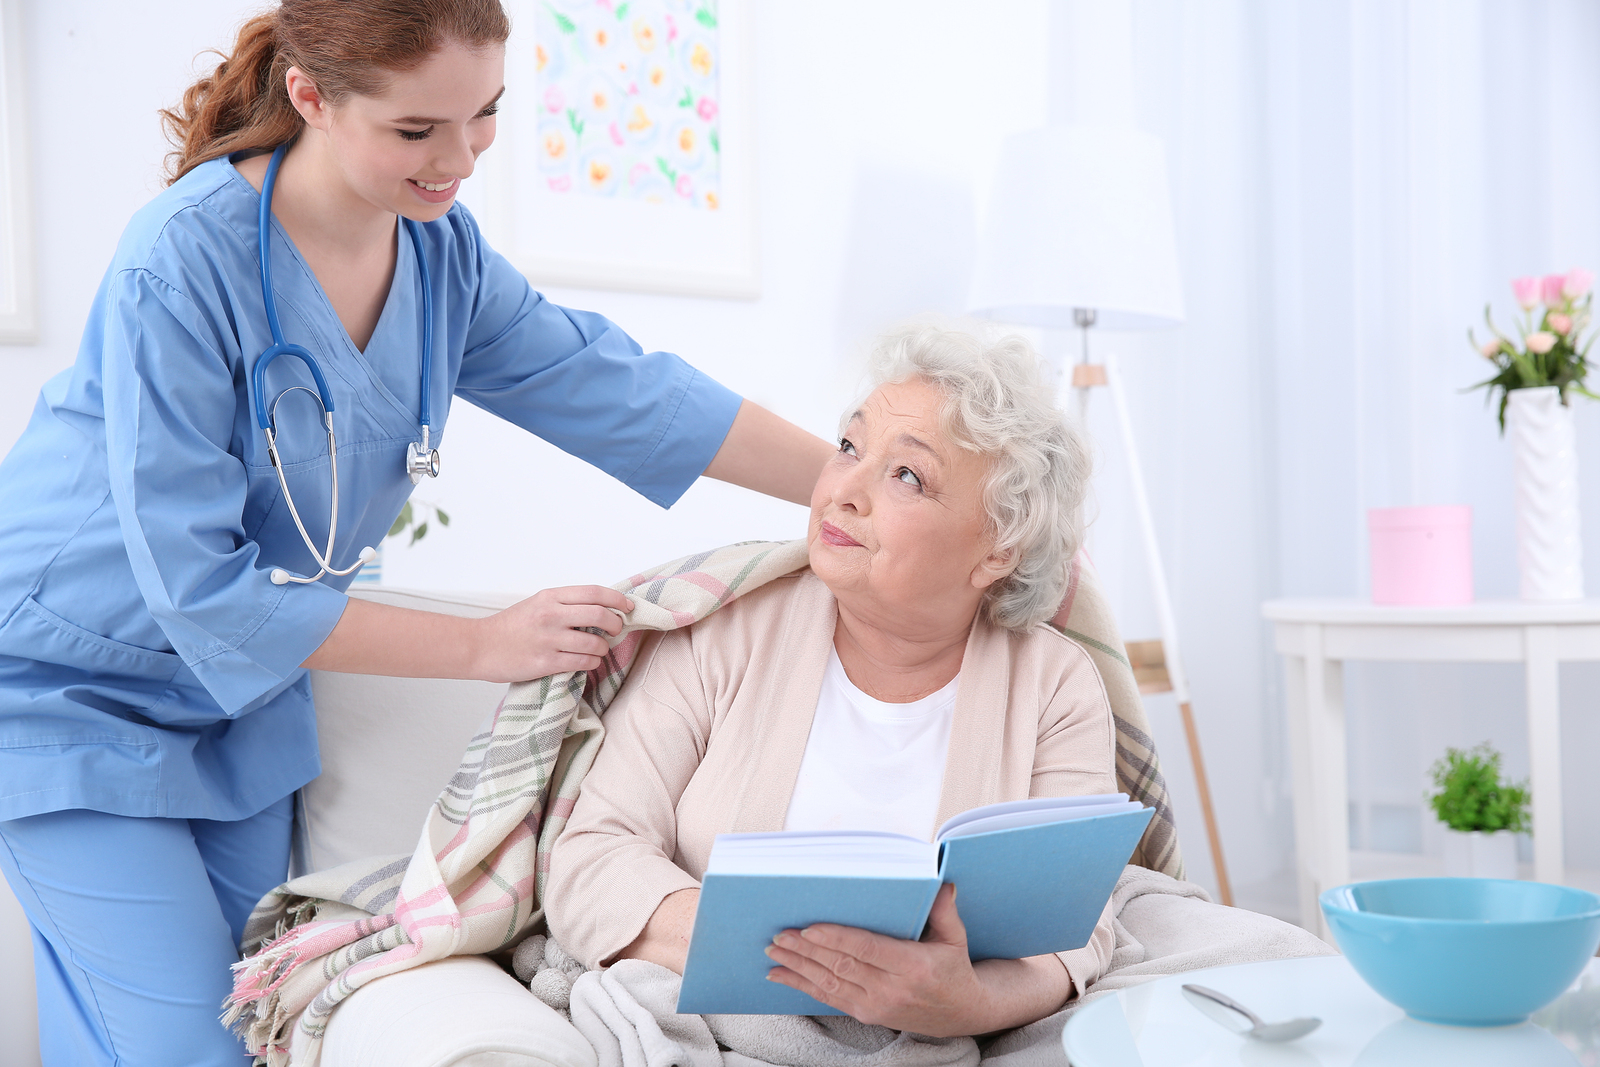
(476, 879)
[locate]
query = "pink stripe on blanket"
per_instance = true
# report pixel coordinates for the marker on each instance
(413, 927)
(404, 906)
(627, 648)
(520, 890)
(561, 807)
(382, 961)
(706, 582)
(319, 938)
(1073, 573)
(461, 835)
(518, 835)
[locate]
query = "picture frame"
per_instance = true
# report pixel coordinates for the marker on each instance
(625, 156)
(19, 305)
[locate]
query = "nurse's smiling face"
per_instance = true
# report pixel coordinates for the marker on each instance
(406, 150)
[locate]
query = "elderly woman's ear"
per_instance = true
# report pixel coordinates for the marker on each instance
(995, 567)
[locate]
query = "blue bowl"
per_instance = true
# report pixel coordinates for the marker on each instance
(1465, 951)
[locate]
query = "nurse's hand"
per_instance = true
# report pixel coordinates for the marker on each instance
(545, 634)
(540, 636)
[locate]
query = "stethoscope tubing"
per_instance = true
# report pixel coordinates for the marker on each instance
(266, 419)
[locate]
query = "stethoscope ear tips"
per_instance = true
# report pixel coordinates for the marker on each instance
(279, 576)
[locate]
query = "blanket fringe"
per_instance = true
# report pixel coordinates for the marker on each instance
(252, 1010)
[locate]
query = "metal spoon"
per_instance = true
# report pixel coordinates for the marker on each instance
(1228, 1012)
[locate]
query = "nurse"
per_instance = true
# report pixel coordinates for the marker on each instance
(155, 712)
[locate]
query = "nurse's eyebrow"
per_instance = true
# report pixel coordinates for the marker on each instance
(418, 120)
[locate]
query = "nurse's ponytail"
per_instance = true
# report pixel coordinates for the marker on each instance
(345, 46)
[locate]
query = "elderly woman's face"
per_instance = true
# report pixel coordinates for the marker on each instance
(897, 522)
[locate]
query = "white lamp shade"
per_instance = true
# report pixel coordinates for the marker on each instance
(1080, 218)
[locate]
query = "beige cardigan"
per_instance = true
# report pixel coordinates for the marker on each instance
(708, 735)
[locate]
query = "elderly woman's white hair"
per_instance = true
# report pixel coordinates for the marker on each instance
(998, 404)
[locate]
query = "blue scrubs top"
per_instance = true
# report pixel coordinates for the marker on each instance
(148, 666)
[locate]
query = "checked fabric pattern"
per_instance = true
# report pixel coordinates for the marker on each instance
(1086, 618)
(475, 882)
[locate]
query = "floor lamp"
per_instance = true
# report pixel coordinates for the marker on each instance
(1079, 234)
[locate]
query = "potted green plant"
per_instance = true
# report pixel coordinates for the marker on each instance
(1481, 811)
(415, 517)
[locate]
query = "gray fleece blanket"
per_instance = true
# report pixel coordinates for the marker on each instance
(1163, 927)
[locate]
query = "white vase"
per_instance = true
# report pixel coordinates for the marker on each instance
(1480, 855)
(371, 572)
(1544, 451)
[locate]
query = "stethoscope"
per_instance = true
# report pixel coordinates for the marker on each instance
(420, 458)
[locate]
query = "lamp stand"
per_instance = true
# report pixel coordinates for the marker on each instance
(1157, 665)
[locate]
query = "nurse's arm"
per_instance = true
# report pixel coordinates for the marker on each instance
(534, 638)
(770, 455)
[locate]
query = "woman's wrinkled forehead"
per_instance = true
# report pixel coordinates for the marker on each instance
(946, 416)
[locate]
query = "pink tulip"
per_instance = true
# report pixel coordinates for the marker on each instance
(1490, 348)
(1576, 283)
(1550, 288)
(1561, 324)
(1541, 342)
(1526, 290)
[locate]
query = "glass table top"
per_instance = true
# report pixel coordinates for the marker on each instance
(1152, 1025)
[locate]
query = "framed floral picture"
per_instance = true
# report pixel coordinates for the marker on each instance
(624, 156)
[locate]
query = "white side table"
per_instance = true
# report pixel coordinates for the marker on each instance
(1315, 637)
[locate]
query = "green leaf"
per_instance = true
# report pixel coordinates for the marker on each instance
(419, 533)
(662, 165)
(575, 122)
(688, 98)
(564, 24)
(1471, 795)
(706, 17)
(622, 11)
(401, 522)
(716, 142)
(442, 515)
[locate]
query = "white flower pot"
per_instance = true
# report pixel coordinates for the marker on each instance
(371, 572)
(1480, 855)
(1545, 454)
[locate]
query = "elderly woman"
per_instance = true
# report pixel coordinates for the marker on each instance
(905, 676)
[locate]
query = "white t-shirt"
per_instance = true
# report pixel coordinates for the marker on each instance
(870, 765)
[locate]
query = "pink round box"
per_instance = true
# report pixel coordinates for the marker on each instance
(1421, 557)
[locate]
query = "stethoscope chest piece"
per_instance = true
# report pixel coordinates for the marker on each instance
(422, 461)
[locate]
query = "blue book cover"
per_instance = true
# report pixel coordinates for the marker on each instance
(1021, 891)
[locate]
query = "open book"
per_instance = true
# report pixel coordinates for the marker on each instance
(1031, 876)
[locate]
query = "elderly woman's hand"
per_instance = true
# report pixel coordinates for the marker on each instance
(928, 987)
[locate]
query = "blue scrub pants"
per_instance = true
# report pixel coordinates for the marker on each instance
(135, 925)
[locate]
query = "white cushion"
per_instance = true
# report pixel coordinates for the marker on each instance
(388, 747)
(457, 1012)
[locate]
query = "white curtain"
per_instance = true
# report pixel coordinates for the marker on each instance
(1353, 180)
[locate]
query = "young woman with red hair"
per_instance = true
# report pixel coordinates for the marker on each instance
(164, 581)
